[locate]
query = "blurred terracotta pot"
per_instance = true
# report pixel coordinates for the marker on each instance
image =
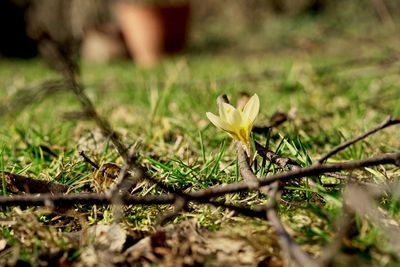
(153, 30)
(102, 45)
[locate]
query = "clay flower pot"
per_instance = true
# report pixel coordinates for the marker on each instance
(152, 30)
(102, 45)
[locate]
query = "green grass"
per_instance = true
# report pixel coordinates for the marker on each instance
(163, 110)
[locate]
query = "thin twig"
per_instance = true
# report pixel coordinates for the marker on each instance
(361, 200)
(212, 192)
(69, 73)
(287, 242)
(30, 95)
(383, 11)
(21, 184)
(313, 170)
(179, 205)
(343, 225)
(244, 167)
(276, 159)
(68, 200)
(88, 160)
(201, 197)
(364, 202)
(386, 123)
(121, 186)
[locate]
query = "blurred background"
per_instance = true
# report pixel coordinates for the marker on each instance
(147, 31)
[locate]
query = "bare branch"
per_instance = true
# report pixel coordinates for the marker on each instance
(386, 123)
(27, 96)
(68, 200)
(287, 242)
(244, 167)
(179, 205)
(276, 159)
(363, 202)
(88, 160)
(316, 169)
(361, 199)
(121, 186)
(383, 11)
(69, 72)
(17, 183)
(343, 225)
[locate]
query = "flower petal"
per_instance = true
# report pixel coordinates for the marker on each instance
(232, 115)
(217, 121)
(224, 110)
(221, 110)
(251, 109)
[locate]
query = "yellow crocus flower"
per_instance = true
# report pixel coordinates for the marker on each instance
(237, 122)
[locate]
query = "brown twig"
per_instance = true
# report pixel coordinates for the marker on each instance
(244, 167)
(361, 199)
(386, 123)
(383, 11)
(179, 205)
(313, 170)
(206, 194)
(69, 72)
(30, 95)
(287, 242)
(202, 196)
(21, 184)
(68, 200)
(364, 202)
(88, 160)
(343, 226)
(276, 159)
(121, 186)
(317, 169)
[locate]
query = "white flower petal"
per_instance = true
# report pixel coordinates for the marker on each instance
(231, 115)
(221, 106)
(224, 110)
(235, 119)
(218, 122)
(221, 110)
(251, 109)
